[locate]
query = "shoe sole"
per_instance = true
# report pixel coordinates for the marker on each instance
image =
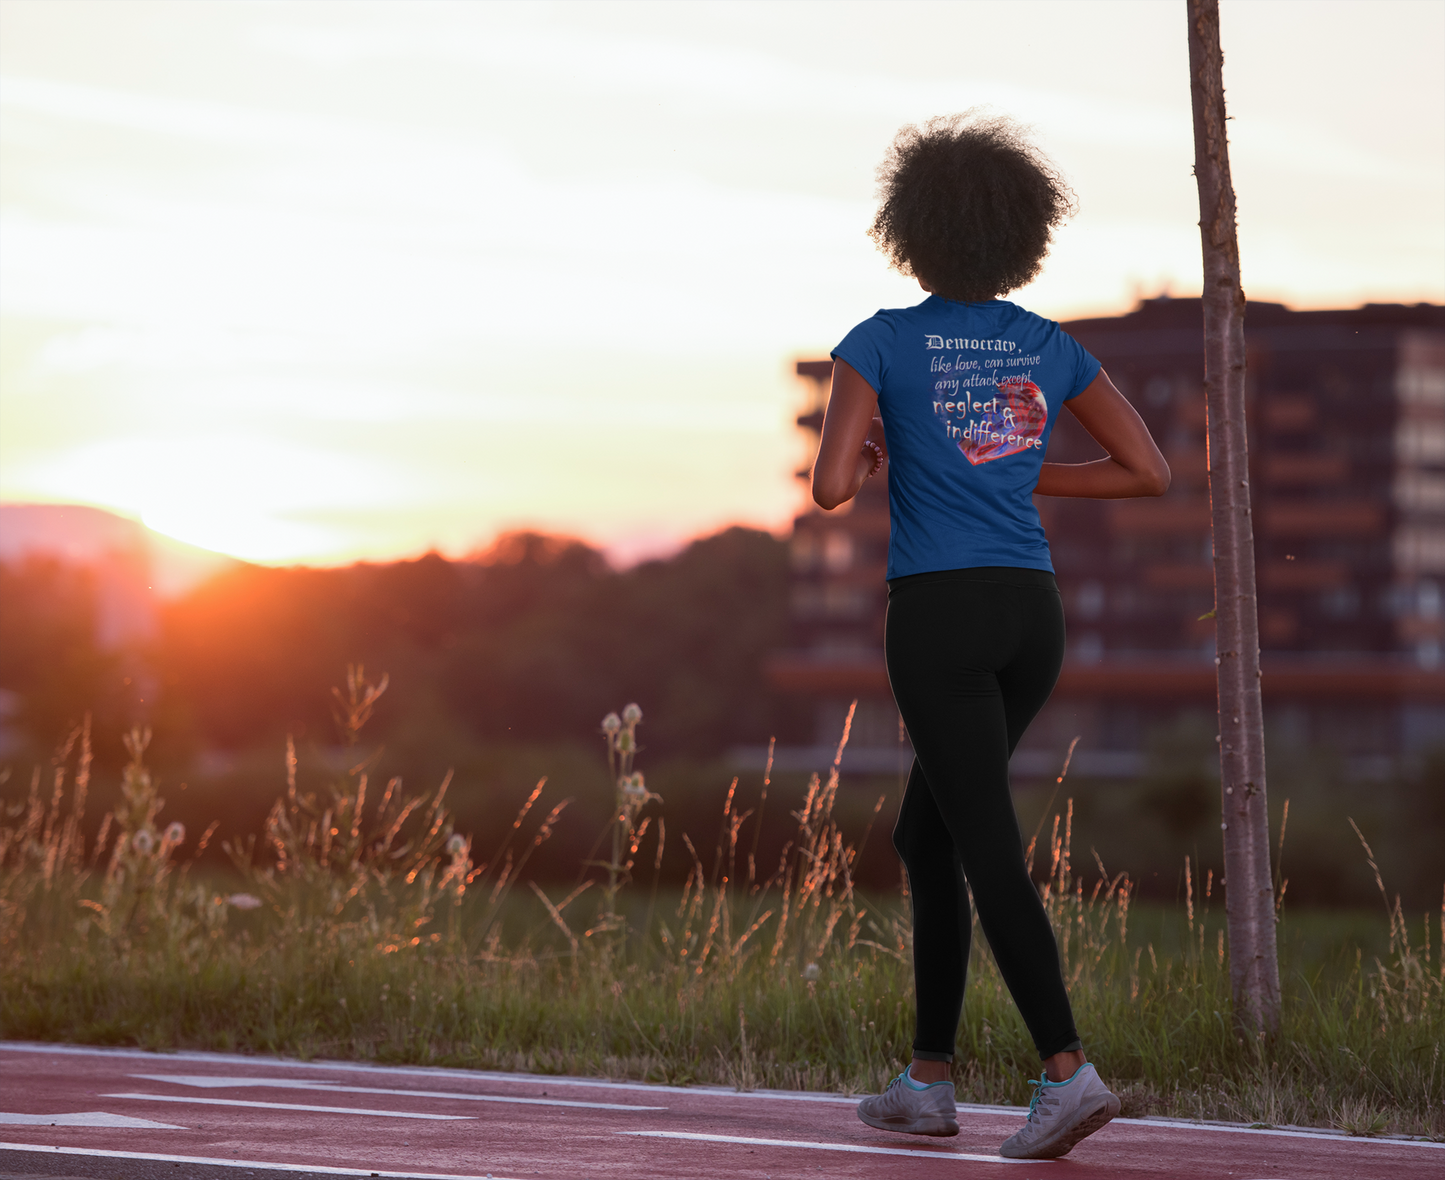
(1066, 1141)
(941, 1128)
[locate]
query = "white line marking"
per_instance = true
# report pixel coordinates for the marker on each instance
(211, 1082)
(1287, 1132)
(191, 1101)
(84, 1118)
(49, 1149)
(857, 1148)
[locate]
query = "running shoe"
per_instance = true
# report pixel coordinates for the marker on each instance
(913, 1109)
(1061, 1114)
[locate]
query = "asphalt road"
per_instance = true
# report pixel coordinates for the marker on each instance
(123, 1114)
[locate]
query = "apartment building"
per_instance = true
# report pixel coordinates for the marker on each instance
(1347, 459)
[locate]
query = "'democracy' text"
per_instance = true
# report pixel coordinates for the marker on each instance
(965, 344)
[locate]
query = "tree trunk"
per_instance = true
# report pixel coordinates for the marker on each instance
(1249, 889)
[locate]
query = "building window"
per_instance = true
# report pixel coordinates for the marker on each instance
(804, 550)
(846, 602)
(1341, 602)
(837, 551)
(1089, 601)
(1427, 599)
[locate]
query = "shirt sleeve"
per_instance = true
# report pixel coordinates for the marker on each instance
(868, 348)
(1086, 367)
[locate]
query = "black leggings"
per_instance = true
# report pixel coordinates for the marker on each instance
(972, 656)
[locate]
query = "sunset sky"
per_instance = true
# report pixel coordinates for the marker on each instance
(319, 281)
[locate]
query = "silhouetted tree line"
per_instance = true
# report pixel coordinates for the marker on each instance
(532, 642)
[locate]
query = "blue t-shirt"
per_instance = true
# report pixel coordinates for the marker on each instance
(968, 393)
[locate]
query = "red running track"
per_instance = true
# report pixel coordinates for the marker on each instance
(191, 1110)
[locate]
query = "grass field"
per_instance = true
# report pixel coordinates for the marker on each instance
(359, 925)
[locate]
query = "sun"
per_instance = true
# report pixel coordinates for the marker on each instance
(257, 498)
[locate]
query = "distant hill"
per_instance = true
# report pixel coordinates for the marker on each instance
(81, 536)
(135, 567)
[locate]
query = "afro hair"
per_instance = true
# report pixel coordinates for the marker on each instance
(968, 206)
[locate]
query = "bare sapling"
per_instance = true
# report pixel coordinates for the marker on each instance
(1249, 894)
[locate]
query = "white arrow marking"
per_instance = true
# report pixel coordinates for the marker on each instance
(85, 1118)
(384, 1114)
(210, 1082)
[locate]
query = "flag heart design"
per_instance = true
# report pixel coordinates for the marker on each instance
(1006, 424)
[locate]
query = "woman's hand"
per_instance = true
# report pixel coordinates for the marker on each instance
(851, 419)
(1134, 466)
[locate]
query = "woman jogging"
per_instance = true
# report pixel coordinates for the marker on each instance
(968, 387)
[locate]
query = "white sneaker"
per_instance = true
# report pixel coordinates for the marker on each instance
(1061, 1114)
(913, 1109)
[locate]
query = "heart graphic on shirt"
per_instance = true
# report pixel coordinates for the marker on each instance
(1006, 424)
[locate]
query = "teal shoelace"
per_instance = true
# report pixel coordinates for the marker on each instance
(1039, 1091)
(913, 1085)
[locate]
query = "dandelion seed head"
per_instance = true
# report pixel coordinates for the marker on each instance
(811, 972)
(611, 723)
(176, 833)
(143, 842)
(632, 714)
(456, 845)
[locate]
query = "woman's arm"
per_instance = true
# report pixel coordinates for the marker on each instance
(1134, 466)
(843, 461)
